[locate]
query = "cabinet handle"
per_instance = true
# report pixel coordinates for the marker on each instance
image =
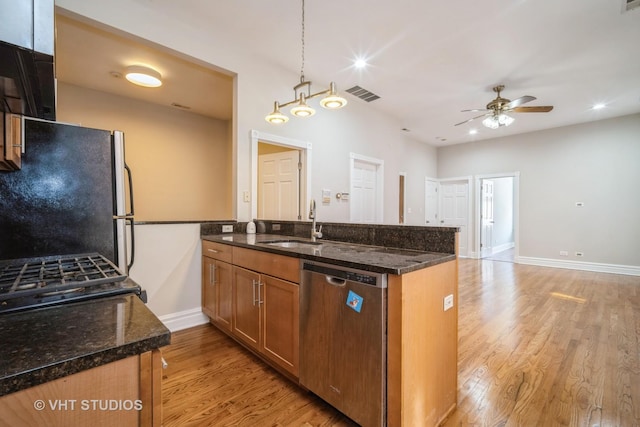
(213, 250)
(212, 274)
(260, 300)
(253, 284)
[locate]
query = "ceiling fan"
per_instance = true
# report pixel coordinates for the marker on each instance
(496, 110)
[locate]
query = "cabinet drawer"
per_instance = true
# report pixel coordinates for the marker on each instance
(284, 267)
(217, 251)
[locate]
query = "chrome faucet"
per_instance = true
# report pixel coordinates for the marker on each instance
(312, 216)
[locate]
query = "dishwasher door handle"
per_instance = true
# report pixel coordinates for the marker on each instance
(335, 281)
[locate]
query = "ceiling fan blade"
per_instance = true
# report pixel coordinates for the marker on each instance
(538, 109)
(474, 110)
(467, 121)
(517, 102)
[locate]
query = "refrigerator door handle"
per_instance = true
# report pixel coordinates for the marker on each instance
(133, 245)
(130, 182)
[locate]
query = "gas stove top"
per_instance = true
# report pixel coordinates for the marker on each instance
(37, 282)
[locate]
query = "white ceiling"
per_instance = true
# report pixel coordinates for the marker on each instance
(428, 59)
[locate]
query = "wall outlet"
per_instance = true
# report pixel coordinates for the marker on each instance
(275, 227)
(564, 253)
(245, 196)
(227, 228)
(448, 302)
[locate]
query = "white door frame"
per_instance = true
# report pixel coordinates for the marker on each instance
(516, 210)
(469, 180)
(305, 179)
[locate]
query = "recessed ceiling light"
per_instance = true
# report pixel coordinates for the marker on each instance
(473, 131)
(360, 63)
(599, 106)
(143, 76)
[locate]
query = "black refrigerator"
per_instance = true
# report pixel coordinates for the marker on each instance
(69, 195)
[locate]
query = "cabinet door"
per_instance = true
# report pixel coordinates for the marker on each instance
(224, 295)
(281, 323)
(208, 287)
(246, 306)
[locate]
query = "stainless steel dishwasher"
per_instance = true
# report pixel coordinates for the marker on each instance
(343, 339)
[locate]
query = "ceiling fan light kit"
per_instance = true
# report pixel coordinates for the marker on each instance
(496, 110)
(495, 121)
(302, 92)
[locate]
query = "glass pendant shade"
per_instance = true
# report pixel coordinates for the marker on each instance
(302, 109)
(332, 101)
(505, 120)
(276, 117)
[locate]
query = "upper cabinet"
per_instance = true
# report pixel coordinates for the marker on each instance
(28, 24)
(27, 42)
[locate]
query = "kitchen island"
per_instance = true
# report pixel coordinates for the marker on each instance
(86, 363)
(421, 311)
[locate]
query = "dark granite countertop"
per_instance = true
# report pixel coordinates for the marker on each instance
(364, 257)
(40, 345)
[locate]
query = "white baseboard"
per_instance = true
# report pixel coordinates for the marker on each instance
(630, 270)
(184, 319)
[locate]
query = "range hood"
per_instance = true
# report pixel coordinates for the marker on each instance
(27, 79)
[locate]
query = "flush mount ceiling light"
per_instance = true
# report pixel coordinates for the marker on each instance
(302, 92)
(143, 76)
(497, 120)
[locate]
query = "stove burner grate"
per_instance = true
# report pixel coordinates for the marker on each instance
(46, 276)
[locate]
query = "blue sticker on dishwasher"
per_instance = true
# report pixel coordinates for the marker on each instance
(354, 301)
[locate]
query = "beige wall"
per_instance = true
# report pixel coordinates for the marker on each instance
(181, 162)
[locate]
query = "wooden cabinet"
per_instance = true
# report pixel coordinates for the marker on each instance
(122, 393)
(265, 316)
(11, 142)
(217, 284)
(280, 331)
(246, 306)
(253, 295)
(266, 305)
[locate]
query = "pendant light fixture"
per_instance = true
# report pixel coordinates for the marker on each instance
(302, 92)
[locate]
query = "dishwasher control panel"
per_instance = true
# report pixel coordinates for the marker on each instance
(359, 276)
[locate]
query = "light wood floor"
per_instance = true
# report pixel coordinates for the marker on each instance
(537, 347)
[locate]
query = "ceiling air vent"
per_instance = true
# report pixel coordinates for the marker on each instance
(630, 5)
(365, 94)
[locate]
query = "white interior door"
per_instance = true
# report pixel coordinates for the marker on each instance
(366, 190)
(486, 219)
(454, 202)
(431, 202)
(278, 185)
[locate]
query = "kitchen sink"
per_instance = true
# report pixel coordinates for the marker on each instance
(290, 243)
